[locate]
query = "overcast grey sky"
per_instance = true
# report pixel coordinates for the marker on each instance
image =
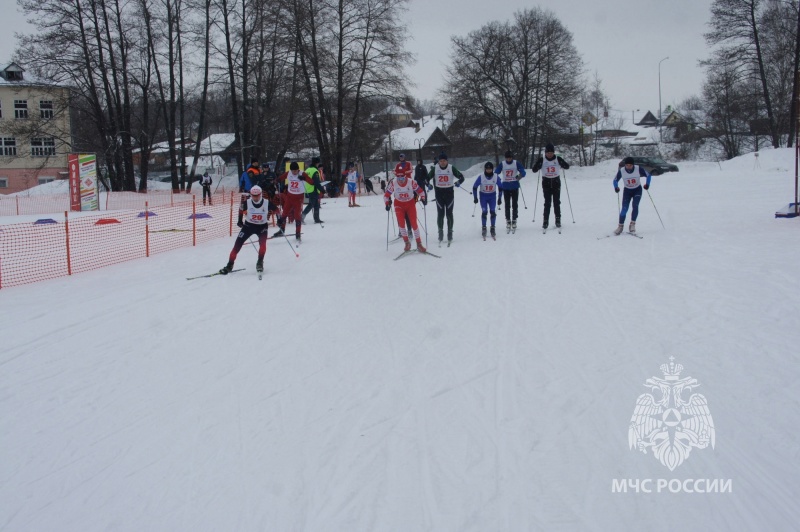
(622, 40)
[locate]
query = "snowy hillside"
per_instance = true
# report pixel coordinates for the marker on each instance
(489, 390)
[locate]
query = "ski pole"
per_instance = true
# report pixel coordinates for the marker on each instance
(523, 197)
(535, 199)
(473, 210)
(619, 207)
(568, 198)
(419, 222)
(388, 213)
(296, 254)
(654, 206)
(425, 214)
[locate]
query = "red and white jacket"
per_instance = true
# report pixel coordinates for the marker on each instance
(403, 189)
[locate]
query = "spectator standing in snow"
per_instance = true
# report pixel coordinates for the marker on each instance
(313, 191)
(551, 166)
(352, 184)
(421, 175)
(205, 182)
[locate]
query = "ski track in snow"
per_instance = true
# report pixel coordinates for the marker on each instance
(490, 389)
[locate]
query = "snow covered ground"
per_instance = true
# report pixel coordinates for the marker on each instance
(488, 390)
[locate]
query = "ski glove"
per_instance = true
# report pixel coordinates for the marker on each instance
(388, 206)
(500, 202)
(646, 186)
(239, 224)
(430, 187)
(424, 201)
(616, 189)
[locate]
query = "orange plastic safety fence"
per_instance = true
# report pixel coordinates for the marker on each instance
(58, 245)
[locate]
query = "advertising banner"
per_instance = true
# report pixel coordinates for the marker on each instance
(83, 182)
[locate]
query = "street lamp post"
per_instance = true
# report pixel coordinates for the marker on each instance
(659, 97)
(419, 143)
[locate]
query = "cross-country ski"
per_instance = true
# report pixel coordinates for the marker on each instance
(213, 274)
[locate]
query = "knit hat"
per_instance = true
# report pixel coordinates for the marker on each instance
(549, 148)
(509, 155)
(627, 160)
(488, 165)
(443, 155)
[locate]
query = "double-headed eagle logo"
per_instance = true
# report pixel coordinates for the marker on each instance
(666, 422)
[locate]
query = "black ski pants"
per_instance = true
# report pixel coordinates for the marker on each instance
(511, 199)
(445, 198)
(313, 203)
(551, 188)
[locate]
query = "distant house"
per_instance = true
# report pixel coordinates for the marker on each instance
(222, 144)
(419, 141)
(393, 115)
(35, 130)
(648, 120)
(159, 153)
(690, 123)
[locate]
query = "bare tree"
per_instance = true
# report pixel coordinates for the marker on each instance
(517, 75)
(735, 25)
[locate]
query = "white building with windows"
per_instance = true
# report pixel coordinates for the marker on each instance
(34, 131)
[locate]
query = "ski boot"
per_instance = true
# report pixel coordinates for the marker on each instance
(632, 227)
(546, 224)
(441, 235)
(303, 219)
(420, 247)
(514, 226)
(279, 232)
(260, 265)
(483, 232)
(508, 226)
(449, 237)
(492, 232)
(619, 229)
(226, 269)
(558, 222)
(408, 245)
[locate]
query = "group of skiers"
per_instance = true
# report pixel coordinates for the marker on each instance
(495, 185)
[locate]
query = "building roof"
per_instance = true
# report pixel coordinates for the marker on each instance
(408, 138)
(216, 143)
(12, 74)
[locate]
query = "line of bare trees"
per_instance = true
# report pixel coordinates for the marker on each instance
(278, 73)
(751, 83)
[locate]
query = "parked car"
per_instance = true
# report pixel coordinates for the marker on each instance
(654, 165)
